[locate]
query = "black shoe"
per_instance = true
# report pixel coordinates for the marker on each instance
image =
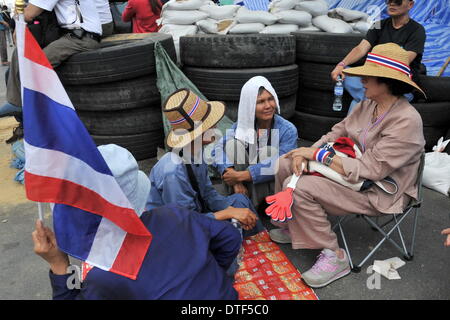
(17, 135)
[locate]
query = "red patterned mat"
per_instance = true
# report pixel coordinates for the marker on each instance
(265, 273)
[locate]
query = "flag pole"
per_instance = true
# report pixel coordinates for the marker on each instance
(20, 7)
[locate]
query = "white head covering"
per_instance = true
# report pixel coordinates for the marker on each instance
(245, 130)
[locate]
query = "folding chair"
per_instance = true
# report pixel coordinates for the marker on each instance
(395, 219)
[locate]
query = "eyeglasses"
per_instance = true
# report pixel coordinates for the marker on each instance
(395, 2)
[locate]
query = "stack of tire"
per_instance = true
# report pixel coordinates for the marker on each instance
(435, 110)
(317, 55)
(113, 90)
(219, 65)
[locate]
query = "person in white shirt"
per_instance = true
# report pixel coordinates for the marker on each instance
(105, 15)
(81, 31)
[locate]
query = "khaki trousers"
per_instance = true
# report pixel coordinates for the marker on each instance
(56, 52)
(314, 199)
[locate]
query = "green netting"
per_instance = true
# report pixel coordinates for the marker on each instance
(170, 78)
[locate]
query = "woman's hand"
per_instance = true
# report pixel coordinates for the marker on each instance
(232, 177)
(447, 241)
(240, 188)
(300, 157)
(45, 246)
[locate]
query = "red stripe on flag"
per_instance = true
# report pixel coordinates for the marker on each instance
(130, 256)
(33, 51)
(47, 189)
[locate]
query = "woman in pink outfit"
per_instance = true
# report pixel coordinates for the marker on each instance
(143, 14)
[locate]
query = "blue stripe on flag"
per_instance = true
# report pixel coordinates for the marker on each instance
(75, 230)
(50, 125)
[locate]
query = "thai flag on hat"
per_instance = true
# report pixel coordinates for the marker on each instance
(94, 220)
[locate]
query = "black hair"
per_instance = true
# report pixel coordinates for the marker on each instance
(396, 87)
(156, 7)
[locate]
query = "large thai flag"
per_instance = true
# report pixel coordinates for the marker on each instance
(93, 219)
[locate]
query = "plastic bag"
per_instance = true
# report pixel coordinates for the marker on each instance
(436, 172)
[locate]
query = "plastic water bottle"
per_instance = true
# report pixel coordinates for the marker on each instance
(338, 92)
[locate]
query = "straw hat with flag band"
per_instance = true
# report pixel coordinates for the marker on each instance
(387, 60)
(190, 116)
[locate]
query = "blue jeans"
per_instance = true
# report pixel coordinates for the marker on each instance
(354, 86)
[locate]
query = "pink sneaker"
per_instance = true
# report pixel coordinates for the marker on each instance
(327, 269)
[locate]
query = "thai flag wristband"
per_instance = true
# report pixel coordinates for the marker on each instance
(321, 154)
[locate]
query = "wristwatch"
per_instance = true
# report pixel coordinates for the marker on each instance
(328, 160)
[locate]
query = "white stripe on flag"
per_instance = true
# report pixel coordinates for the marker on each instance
(56, 164)
(45, 81)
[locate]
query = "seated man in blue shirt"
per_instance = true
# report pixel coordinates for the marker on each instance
(187, 258)
(177, 180)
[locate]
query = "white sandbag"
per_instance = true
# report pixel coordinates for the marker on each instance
(183, 5)
(347, 14)
(300, 18)
(247, 16)
(220, 12)
(332, 25)
(247, 28)
(361, 26)
(178, 31)
(281, 5)
(310, 28)
(211, 26)
(278, 28)
(182, 17)
(436, 172)
(315, 7)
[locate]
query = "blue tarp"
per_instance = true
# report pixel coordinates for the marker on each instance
(434, 15)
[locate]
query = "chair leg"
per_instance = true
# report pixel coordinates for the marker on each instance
(413, 239)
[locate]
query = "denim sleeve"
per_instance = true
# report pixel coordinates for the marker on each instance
(264, 170)
(221, 161)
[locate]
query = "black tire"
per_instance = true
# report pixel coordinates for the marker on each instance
(120, 95)
(432, 135)
(436, 88)
(142, 145)
(324, 47)
(315, 75)
(122, 122)
(320, 103)
(312, 127)
(116, 60)
(226, 84)
(237, 51)
(287, 106)
(434, 114)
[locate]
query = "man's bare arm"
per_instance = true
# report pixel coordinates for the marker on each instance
(31, 12)
(353, 56)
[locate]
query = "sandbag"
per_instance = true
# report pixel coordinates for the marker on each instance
(246, 16)
(299, 18)
(183, 5)
(178, 31)
(220, 12)
(361, 26)
(182, 17)
(247, 28)
(281, 5)
(309, 28)
(332, 25)
(436, 172)
(347, 14)
(280, 28)
(211, 26)
(315, 8)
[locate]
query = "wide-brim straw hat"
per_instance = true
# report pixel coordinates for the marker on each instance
(190, 116)
(387, 60)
